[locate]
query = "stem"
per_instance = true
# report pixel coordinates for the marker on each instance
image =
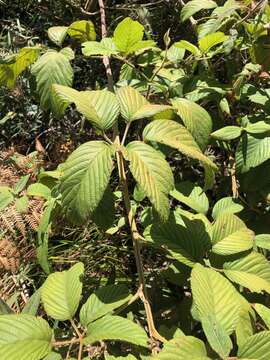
(65, 342)
(125, 133)
(106, 60)
(80, 338)
(156, 72)
(136, 237)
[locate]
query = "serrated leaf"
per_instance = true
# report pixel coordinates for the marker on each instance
(259, 127)
(263, 241)
(187, 242)
(226, 205)
(216, 335)
(134, 106)
(251, 152)
(217, 304)
(230, 235)
(127, 34)
(264, 313)
(153, 174)
(115, 328)
(192, 195)
(61, 292)
(39, 190)
(82, 30)
(244, 327)
(194, 6)
(86, 175)
(227, 133)
(57, 34)
(51, 68)
(183, 348)
(103, 301)
(68, 52)
(24, 337)
(104, 214)
(172, 134)
(257, 347)
(100, 107)
(251, 271)
(209, 41)
(141, 46)
(195, 118)
(183, 44)
(105, 47)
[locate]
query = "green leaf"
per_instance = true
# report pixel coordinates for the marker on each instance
(105, 47)
(251, 271)
(6, 197)
(263, 241)
(226, 205)
(217, 303)
(4, 308)
(68, 52)
(191, 195)
(244, 327)
(183, 348)
(32, 304)
(209, 41)
(264, 313)
(82, 30)
(51, 68)
(115, 328)
(195, 118)
(86, 175)
(134, 106)
(24, 337)
(57, 34)
(257, 347)
(111, 357)
(104, 214)
(230, 235)
(172, 134)
(21, 204)
(227, 133)
(194, 6)
(61, 293)
(100, 107)
(252, 152)
(216, 335)
(23, 59)
(127, 34)
(186, 241)
(103, 301)
(39, 190)
(54, 356)
(259, 127)
(153, 174)
(183, 44)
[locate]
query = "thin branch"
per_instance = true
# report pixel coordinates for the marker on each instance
(136, 238)
(80, 336)
(106, 60)
(65, 342)
(125, 133)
